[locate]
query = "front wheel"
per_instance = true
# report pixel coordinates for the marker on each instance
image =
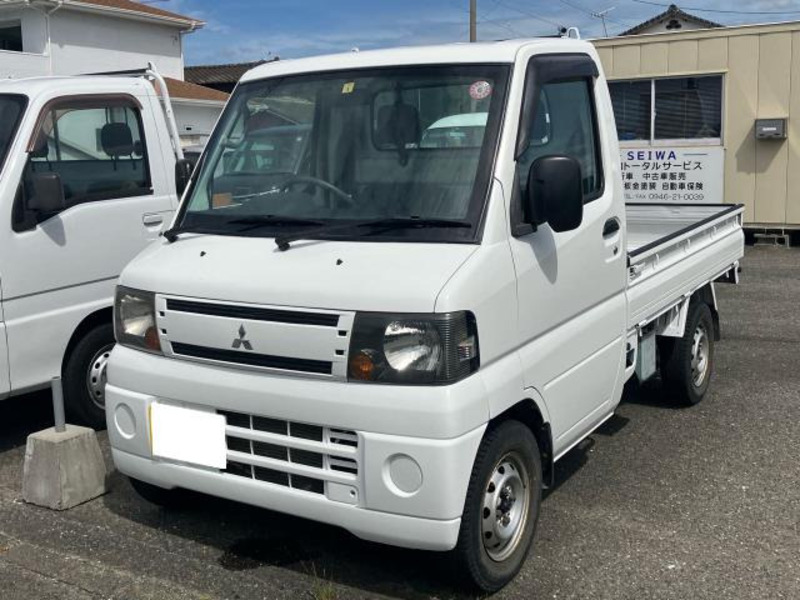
(163, 497)
(84, 377)
(502, 507)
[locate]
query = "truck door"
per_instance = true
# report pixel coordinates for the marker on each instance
(103, 152)
(12, 109)
(571, 285)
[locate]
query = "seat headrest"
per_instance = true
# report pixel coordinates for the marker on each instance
(116, 139)
(398, 126)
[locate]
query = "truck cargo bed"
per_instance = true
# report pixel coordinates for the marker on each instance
(675, 249)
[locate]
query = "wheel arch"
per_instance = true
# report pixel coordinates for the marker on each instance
(89, 322)
(528, 412)
(707, 295)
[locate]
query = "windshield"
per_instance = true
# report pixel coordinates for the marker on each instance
(332, 148)
(11, 109)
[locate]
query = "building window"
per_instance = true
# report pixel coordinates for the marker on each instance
(669, 109)
(11, 36)
(632, 105)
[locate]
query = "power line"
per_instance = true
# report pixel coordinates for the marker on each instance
(491, 9)
(504, 24)
(723, 11)
(532, 15)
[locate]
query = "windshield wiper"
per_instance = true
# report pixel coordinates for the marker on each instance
(283, 242)
(251, 222)
(172, 234)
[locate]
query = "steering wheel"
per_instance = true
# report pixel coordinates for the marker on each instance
(325, 185)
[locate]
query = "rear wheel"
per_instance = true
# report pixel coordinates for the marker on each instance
(687, 363)
(84, 377)
(501, 509)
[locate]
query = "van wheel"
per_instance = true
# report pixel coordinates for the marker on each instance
(687, 363)
(166, 498)
(84, 377)
(502, 507)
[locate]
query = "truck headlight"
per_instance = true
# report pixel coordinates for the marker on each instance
(413, 348)
(135, 320)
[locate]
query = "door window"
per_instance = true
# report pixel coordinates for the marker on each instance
(96, 147)
(564, 124)
(11, 109)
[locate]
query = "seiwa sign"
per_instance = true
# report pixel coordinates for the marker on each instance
(680, 175)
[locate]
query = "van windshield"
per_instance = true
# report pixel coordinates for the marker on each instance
(11, 109)
(332, 148)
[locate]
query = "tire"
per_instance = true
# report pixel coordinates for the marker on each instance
(482, 557)
(84, 377)
(166, 498)
(687, 363)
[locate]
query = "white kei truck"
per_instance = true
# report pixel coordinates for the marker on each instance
(400, 286)
(88, 172)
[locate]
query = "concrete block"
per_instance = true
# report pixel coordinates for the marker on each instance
(63, 469)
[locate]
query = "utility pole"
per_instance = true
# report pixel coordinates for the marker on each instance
(473, 20)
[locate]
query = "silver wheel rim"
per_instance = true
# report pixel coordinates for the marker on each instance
(504, 513)
(700, 355)
(96, 376)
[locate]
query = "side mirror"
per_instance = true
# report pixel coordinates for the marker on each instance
(555, 192)
(183, 173)
(45, 193)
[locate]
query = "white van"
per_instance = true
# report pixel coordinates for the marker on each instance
(88, 179)
(397, 337)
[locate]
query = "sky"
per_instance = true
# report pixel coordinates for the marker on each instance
(246, 30)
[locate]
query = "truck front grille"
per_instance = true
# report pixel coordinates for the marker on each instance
(273, 339)
(252, 359)
(253, 313)
(300, 456)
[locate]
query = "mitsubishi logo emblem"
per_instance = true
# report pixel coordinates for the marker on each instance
(242, 341)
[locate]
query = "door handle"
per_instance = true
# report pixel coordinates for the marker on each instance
(152, 219)
(611, 227)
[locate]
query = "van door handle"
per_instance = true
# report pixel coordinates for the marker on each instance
(152, 219)
(611, 227)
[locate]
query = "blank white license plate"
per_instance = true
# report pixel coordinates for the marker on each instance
(187, 435)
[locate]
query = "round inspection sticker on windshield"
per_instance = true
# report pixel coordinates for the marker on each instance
(480, 90)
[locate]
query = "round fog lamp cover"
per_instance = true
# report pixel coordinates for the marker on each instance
(125, 421)
(404, 474)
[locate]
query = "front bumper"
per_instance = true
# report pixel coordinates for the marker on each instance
(405, 490)
(381, 527)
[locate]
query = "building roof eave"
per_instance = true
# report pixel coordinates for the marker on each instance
(146, 14)
(697, 34)
(671, 13)
(192, 102)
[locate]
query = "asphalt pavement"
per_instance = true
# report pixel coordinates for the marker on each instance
(661, 502)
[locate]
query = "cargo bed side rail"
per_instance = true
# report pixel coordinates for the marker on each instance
(665, 273)
(727, 214)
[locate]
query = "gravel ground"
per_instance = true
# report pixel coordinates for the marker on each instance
(662, 502)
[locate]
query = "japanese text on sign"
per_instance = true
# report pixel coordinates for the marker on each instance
(680, 175)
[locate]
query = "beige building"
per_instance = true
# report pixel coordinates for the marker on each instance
(689, 99)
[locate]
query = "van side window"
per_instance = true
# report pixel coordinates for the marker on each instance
(96, 147)
(565, 124)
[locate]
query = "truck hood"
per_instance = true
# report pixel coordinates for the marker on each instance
(364, 276)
